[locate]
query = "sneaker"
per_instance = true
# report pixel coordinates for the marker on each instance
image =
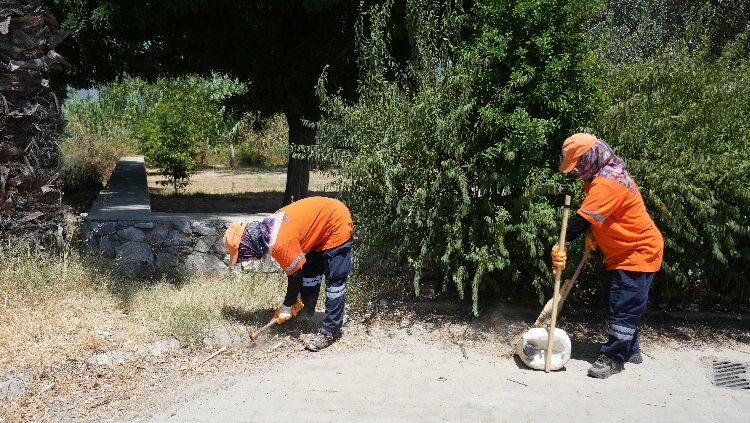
(605, 367)
(322, 340)
(635, 358)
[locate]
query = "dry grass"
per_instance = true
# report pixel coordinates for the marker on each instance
(188, 310)
(57, 315)
(51, 310)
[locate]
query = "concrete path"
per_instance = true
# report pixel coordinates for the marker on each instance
(407, 380)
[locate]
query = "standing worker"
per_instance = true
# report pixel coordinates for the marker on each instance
(307, 238)
(632, 245)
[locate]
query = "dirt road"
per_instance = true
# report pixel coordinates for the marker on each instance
(410, 375)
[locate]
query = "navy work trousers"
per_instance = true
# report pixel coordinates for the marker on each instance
(335, 263)
(628, 295)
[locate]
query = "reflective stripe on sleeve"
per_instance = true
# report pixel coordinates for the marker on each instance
(294, 263)
(595, 215)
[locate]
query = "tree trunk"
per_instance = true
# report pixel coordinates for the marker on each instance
(30, 124)
(298, 170)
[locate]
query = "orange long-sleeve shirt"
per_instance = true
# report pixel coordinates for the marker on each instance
(621, 226)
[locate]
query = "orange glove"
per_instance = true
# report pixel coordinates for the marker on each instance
(558, 258)
(591, 244)
(285, 313)
(296, 307)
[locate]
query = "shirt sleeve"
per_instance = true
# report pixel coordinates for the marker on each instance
(289, 255)
(600, 203)
(576, 227)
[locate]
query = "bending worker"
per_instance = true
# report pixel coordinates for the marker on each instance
(307, 238)
(632, 245)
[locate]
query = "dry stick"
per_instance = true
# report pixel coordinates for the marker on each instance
(520, 383)
(219, 351)
(558, 274)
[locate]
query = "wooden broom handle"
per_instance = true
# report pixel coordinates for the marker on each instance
(556, 293)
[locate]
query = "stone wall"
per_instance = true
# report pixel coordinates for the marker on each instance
(121, 226)
(151, 246)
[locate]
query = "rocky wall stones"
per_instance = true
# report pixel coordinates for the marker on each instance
(143, 248)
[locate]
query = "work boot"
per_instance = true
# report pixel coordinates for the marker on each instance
(635, 358)
(322, 340)
(605, 366)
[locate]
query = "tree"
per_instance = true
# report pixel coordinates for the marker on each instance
(278, 47)
(30, 201)
(181, 118)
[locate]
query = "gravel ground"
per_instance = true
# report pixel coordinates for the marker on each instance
(415, 364)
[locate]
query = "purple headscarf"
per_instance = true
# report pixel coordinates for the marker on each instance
(255, 240)
(602, 161)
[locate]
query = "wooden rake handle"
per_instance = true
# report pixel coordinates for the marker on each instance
(558, 275)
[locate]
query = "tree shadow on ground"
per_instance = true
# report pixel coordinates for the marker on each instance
(258, 318)
(246, 202)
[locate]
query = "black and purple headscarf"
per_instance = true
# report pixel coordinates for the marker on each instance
(255, 240)
(602, 161)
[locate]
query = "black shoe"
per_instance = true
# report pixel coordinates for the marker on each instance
(635, 358)
(322, 340)
(605, 366)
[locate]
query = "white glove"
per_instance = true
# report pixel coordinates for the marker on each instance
(283, 314)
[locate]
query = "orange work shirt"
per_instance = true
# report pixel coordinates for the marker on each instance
(622, 227)
(310, 224)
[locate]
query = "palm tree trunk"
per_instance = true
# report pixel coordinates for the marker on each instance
(30, 124)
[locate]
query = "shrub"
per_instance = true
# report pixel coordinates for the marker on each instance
(448, 160)
(261, 142)
(184, 117)
(680, 118)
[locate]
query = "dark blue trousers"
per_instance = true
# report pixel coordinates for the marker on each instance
(335, 263)
(628, 295)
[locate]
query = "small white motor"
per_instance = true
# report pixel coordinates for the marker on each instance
(532, 346)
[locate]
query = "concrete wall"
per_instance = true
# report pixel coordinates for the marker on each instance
(121, 226)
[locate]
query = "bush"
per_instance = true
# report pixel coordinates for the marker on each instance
(448, 160)
(680, 118)
(183, 118)
(261, 142)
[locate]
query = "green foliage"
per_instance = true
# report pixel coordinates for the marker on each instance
(624, 31)
(681, 119)
(98, 132)
(448, 160)
(261, 142)
(183, 117)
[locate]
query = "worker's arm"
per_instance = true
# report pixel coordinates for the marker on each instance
(292, 304)
(576, 226)
(293, 288)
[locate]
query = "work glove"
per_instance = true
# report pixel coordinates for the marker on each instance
(558, 258)
(285, 313)
(296, 307)
(591, 244)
